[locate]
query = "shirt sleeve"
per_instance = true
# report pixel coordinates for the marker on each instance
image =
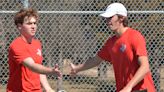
(139, 44)
(19, 53)
(104, 52)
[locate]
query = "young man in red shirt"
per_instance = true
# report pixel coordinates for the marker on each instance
(26, 72)
(126, 50)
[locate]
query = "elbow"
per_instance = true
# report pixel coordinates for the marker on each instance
(147, 69)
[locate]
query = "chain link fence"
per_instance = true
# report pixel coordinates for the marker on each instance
(73, 30)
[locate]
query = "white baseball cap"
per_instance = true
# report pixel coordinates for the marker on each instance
(113, 9)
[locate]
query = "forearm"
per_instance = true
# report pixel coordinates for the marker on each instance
(42, 69)
(35, 67)
(90, 63)
(141, 72)
(44, 82)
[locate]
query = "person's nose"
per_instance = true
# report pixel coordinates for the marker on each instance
(33, 25)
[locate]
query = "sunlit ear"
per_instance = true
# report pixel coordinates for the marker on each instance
(121, 19)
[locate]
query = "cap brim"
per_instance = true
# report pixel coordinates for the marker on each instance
(107, 14)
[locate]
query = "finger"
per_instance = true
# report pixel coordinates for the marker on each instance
(72, 65)
(60, 75)
(56, 66)
(72, 68)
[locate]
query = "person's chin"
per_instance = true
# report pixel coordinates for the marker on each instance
(111, 28)
(32, 35)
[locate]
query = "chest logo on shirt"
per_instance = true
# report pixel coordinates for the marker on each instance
(123, 47)
(39, 52)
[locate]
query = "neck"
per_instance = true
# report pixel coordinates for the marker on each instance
(27, 39)
(120, 31)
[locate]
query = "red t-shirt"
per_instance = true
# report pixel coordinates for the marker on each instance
(22, 79)
(123, 53)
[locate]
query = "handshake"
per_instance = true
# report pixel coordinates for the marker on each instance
(69, 67)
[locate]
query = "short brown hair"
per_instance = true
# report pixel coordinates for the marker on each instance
(29, 12)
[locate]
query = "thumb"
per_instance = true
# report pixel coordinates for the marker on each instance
(72, 66)
(73, 69)
(56, 66)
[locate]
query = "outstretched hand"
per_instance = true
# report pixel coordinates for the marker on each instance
(73, 71)
(57, 71)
